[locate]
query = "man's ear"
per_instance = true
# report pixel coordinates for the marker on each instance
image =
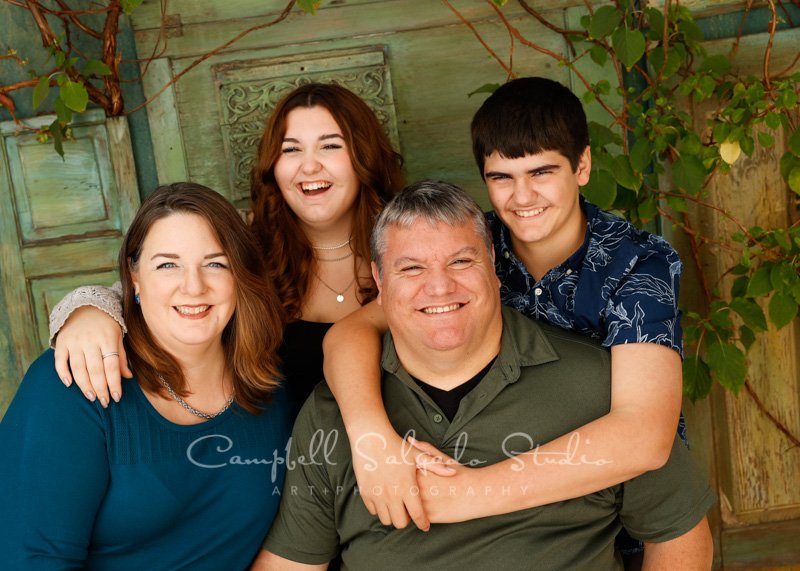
(584, 166)
(377, 277)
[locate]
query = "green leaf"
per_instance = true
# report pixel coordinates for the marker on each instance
(760, 283)
(773, 120)
(485, 88)
(601, 189)
(599, 55)
(74, 95)
(41, 91)
(690, 31)
(629, 46)
(311, 6)
(794, 180)
(624, 174)
(748, 145)
(63, 112)
(794, 142)
(739, 286)
(765, 139)
(696, 379)
(656, 22)
(717, 64)
(604, 21)
(688, 173)
(705, 87)
(751, 313)
(727, 363)
(721, 318)
(60, 58)
(746, 337)
(641, 154)
(782, 309)
(647, 210)
(96, 67)
(129, 6)
(787, 100)
(788, 162)
(58, 137)
(721, 132)
(600, 135)
(677, 203)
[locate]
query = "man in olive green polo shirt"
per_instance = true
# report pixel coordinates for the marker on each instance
(481, 382)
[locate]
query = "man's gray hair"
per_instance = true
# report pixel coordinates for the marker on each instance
(433, 202)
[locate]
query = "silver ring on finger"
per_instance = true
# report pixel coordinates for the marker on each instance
(112, 354)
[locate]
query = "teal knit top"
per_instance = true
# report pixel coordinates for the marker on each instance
(82, 487)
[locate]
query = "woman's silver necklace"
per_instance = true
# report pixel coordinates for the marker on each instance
(339, 294)
(342, 245)
(189, 407)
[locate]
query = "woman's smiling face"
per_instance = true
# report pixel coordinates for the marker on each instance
(186, 289)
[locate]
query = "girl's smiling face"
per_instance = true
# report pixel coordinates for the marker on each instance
(315, 173)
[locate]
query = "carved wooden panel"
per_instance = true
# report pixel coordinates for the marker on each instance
(249, 91)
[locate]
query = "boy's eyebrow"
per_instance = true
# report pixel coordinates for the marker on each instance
(537, 170)
(543, 168)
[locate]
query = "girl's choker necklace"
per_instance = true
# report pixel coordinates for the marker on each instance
(342, 245)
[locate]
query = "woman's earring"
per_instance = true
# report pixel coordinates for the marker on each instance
(136, 299)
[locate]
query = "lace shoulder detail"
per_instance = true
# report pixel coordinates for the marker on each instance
(107, 299)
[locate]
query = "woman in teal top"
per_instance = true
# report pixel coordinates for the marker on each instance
(187, 472)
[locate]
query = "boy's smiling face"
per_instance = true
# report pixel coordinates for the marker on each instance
(536, 196)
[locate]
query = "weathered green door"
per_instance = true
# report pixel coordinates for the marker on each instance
(61, 223)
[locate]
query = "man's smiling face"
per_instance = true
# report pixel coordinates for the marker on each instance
(438, 289)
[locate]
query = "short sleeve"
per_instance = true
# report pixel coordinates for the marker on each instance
(305, 528)
(643, 306)
(54, 472)
(107, 299)
(666, 503)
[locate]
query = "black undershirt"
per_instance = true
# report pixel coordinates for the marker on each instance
(449, 401)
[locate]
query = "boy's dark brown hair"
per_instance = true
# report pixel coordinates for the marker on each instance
(527, 116)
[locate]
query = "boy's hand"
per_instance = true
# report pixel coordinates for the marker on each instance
(386, 471)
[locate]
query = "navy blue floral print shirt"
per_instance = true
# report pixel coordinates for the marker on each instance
(620, 286)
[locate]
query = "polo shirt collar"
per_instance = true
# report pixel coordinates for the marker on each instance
(523, 344)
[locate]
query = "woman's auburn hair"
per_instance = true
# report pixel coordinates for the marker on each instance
(289, 255)
(252, 336)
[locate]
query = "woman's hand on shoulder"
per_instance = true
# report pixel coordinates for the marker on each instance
(87, 336)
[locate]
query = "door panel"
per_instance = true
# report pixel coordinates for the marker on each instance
(61, 224)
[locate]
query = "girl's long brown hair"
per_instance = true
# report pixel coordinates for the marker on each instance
(289, 256)
(251, 337)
